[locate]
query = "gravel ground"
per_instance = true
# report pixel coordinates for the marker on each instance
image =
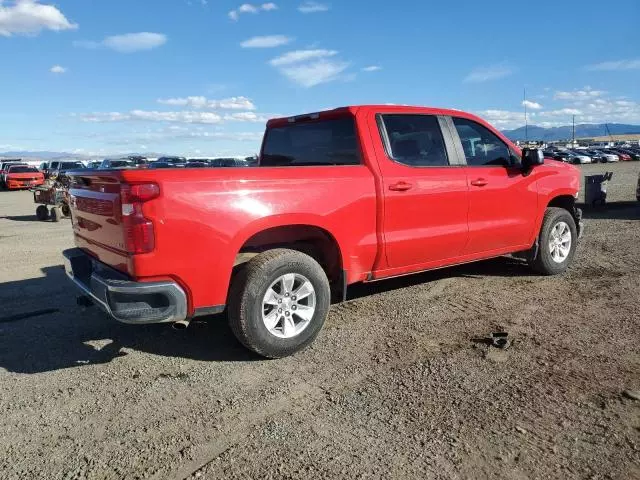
(398, 385)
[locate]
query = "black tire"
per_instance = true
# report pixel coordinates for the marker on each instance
(56, 214)
(544, 262)
(42, 213)
(247, 292)
(66, 210)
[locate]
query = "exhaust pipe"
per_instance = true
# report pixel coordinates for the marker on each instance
(181, 324)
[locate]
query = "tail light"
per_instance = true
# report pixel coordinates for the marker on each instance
(139, 235)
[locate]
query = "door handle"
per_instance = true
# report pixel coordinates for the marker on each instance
(400, 187)
(479, 182)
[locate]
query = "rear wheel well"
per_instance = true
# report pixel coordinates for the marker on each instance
(311, 240)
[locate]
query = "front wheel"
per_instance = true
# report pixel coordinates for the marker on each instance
(556, 242)
(278, 302)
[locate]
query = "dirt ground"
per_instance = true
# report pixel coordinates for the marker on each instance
(394, 387)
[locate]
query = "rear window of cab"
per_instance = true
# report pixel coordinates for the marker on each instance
(323, 142)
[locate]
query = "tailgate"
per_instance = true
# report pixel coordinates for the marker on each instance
(96, 214)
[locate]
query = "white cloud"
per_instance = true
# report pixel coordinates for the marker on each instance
(313, 7)
(247, 117)
(134, 42)
(250, 8)
(301, 56)
(314, 73)
(372, 68)
(233, 103)
(126, 43)
(310, 67)
(153, 116)
(577, 96)
(592, 107)
(502, 119)
(492, 72)
(630, 64)
(531, 105)
(182, 117)
(57, 69)
(561, 112)
(29, 17)
(268, 41)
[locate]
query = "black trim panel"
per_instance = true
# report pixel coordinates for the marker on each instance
(214, 310)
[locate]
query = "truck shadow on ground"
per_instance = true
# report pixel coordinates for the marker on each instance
(20, 218)
(612, 211)
(42, 329)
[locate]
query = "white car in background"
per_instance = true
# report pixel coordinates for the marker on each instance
(605, 157)
(579, 157)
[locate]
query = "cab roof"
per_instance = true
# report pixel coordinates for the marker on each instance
(385, 108)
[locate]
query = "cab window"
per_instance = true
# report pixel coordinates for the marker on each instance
(481, 146)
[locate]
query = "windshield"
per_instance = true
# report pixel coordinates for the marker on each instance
(121, 163)
(22, 169)
(70, 165)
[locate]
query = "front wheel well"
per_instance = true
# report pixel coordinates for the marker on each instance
(568, 202)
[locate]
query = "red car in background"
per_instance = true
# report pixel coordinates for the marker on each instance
(23, 176)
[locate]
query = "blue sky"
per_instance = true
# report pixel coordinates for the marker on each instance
(201, 77)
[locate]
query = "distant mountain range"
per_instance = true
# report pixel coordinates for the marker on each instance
(583, 130)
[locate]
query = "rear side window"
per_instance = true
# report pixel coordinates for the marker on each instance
(326, 142)
(415, 140)
(481, 146)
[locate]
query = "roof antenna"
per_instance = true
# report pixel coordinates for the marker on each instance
(526, 123)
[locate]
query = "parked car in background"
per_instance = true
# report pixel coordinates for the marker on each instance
(53, 167)
(340, 197)
(580, 157)
(556, 155)
(229, 162)
(23, 176)
(625, 157)
(634, 155)
(603, 157)
(138, 160)
(59, 167)
(108, 163)
(4, 167)
(197, 163)
(157, 164)
(174, 161)
(94, 165)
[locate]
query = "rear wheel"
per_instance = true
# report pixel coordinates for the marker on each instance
(278, 302)
(42, 213)
(56, 214)
(556, 242)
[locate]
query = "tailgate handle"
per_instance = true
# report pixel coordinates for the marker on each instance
(400, 186)
(479, 182)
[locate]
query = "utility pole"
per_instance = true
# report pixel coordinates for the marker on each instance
(526, 123)
(573, 135)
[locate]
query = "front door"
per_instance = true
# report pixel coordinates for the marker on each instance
(425, 192)
(502, 198)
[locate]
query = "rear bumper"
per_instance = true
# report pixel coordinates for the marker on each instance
(124, 300)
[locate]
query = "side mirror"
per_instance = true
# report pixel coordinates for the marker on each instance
(531, 157)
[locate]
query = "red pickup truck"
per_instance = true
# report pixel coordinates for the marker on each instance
(355, 194)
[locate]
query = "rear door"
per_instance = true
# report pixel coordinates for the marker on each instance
(502, 199)
(425, 192)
